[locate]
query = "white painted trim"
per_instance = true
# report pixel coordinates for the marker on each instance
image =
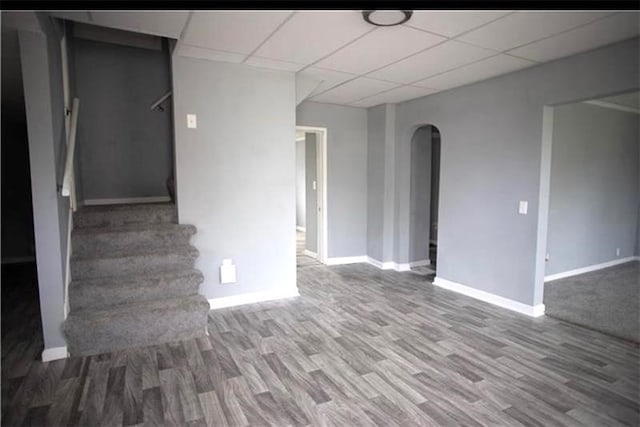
(124, 201)
(612, 106)
(303, 229)
(251, 298)
(322, 166)
(402, 267)
(389, 265)
(67, 272)
(347, 260)
(589, 268)
(509, 304)
(18, 259)
(54, 353)
(420, 263)
(312, 254)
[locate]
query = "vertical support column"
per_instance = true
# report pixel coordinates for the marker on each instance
(389, 206)
(46, 209)
(543, 212)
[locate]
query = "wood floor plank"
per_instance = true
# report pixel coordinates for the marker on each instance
(360, 346)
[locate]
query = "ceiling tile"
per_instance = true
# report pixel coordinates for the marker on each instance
(210, 54)
(329, 78)
(524, 27)
(450, 23)
(353, 91)
(167, 24)
(272, 64)
(481, 70)
(619, 26)
(308, 36)
(441, 58)
(379, 48)
(233, 31)
(399, 94)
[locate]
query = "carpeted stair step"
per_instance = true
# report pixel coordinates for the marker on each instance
(135, 325)
(133, 262)
(118, 215)
(102, 293)
(92, 240)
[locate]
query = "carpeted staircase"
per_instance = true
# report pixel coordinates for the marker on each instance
(132, 279)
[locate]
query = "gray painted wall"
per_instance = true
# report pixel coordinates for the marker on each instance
(236, 188)
(637, 252)
(594, 196)
(42, 80)
(435, 185)
(491, 152)
(311, 194)
(301, 198)
(420, 220)
(346, 173)
(125, 150)
(375, 180)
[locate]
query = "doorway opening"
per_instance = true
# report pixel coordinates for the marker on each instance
(311, 220)
(588, 259)
(425, 196)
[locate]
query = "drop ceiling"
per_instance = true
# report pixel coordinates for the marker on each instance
(362, 65)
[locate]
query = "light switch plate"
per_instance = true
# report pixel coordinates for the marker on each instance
(522, 208)
(191, 121)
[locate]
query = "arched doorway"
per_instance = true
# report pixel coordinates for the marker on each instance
(424, 199)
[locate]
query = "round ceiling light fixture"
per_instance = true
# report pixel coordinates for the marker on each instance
(386, 18)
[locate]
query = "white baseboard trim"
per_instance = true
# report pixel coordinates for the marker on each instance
(347, 260)
(509, 304)
(420, 263)
(589, 268)
(389, 265)
(251, 298)
(307, 252)
(54, 353)
(18, 259)
(303, 229)
(98, 202)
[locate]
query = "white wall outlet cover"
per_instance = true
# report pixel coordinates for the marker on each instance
(314, 185)
(227, 272)
(522, 207)
(191, 121)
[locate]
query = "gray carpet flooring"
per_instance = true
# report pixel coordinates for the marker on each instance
(606, 300)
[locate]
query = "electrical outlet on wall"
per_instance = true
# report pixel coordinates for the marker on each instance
(227, 271)
(617, 251)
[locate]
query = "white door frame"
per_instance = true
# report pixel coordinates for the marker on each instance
(321, 193)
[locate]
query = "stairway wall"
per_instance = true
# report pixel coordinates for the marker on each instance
(124, 149)
(235, 173)
(42, 80)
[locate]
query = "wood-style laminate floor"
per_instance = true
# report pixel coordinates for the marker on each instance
(359, 347)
